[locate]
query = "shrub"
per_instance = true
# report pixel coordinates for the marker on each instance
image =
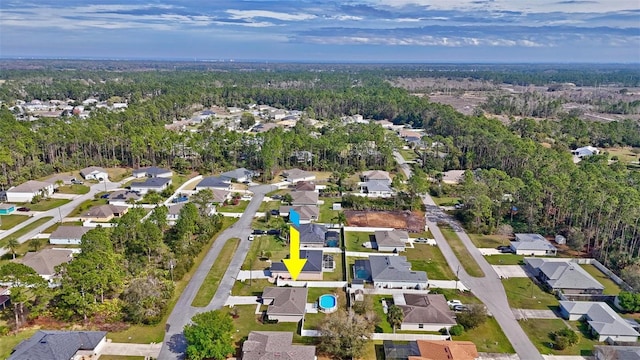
(456, 330)
(474, 317)
(564, 338)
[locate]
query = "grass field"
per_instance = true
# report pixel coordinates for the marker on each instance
(488, 241)
(338, 272)
(624, 154)
(327, 215)
(429, 258)
(538, 331)
(610, 288)
(117, 174)
(240, 208)
(86, 205)
(408, 154)
(9, 221)
(505, 259)
(468, 262)
(26, 229)
(46, 204)
(354, 239)
(266, 206)
(8, 342)
(73, 189)
(445, 200)
(144, 334)
(523, 293)
(488, 337)
(263, 245)
(210, 285)
(53, 227)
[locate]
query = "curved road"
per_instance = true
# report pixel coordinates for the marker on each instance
(489, 288)
(174, 344)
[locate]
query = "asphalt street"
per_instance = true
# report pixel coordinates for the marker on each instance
(174, 344)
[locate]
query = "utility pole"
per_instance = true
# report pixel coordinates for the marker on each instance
(457, 276)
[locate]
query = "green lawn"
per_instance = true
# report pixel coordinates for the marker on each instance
(327, 215)
(53, 227)
(408, 154)
(9, 221)
(86, 205)
(383, 325)
(523, 293)
(311, 321)
(248, 321)
(117, 174)
(210, 285)
(505, 259)
(445, 200)
(354, 240)
(424, 234)
(610, 288)
(429, 258)
(145, 334)
(250, 287)
(266, 206)
(73, 189)
(25, 229)
(262, 245)
(177, 180)
(466, 297)
(488, 337)
(488, 241)
(338, 273)
(8, 342)
(538, 331)
(462, 253)
(46, 204)
(240, 208)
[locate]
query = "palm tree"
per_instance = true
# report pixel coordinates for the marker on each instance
(35, 244)
(395, 316)
(12, 245)
(340, 218)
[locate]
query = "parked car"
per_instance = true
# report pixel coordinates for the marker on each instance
(460, 308)
(104, 196)
(273, 232)
(258, 232)
(454, 302)
(25, 209)
(277, 197)
(458, 206)
(250, 238)
(76, 182)
(275, 212)
(421, 240)
(179, 199)
(504, 249)
(246, 182)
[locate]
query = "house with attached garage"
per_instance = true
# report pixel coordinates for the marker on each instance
(391, 240)
(152, 171)
(604, 323)
(376, 188)
(7, 209)
(532, 245)
(60, 344)
(304, 198)
(45, 261)
(392, 272)
(295, 175)
(27, 191)
(124, 197)
(285, 304)
(430, 350)
(424, 312)
(265, 345)
(312, 235)
(157, 184)
(307, 213)
(239, 175)
(376, 175)
(94, 173)
(214, 182)
(564, 275)
(61, 179)
(68, 235)
(103, 213)
(316, 264)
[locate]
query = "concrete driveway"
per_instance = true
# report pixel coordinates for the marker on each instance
(510, 271)
(125, 349)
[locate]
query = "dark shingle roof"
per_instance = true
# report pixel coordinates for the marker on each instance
(56, 345)
(213, 181)
(271, 345)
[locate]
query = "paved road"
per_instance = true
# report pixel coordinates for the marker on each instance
(59, 212)
(489, 288)
(174, 344)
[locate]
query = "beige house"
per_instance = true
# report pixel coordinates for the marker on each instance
(262, 345)
(103, 213)
(45, 261)
(424, 312)
(286, 304)
(393, 240)
(304, 198)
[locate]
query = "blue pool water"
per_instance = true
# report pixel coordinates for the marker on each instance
(332, 243)
(327, 302)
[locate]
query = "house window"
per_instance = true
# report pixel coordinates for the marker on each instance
(420, 326)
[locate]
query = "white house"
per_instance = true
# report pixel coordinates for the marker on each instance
(604, 322)
(532, 245)
(585, 151)
(394, 240)
(152, 171)
(295, 175)
(94, 173)
(156, 184)
(68, 235)
(27, 191)
(376, 188)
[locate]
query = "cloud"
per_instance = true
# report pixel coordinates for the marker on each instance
(251, 14)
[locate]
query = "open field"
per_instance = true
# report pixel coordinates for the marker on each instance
(210, 285)
(73, 189)
(9, 221)
(505, 259)
(461, 252)
(610, 288)
(488, 337)
(327, 215)
(410, 221)
(354, 239)
(26, 229)
(429, 258)
(86, 205)
(624, 154)
(488, 241)
(117, 174)
(538, 331)
(523, 293)
(46, 204)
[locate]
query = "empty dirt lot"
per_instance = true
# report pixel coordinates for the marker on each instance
(404, 220)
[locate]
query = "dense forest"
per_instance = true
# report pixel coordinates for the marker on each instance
(595, 203)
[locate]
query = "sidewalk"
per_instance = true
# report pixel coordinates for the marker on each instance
(124, 349)
(241, 300)
(253, 274)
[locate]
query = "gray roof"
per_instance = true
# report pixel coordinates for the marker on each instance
(608, 352)
(427, 309)
(305, 186)
(313, 264)
(153, 182)
(380, 175)
(152, 171)
(286, 300)
(7, 206)
(293, 174)
(602, 318)
(175, 209)
(62, 177)
(45, 261)
(124, 195)
(391, 238)
(237, 174)
(531, 242)
(564, 274)
(91, 169)
(213, 182)
(30, 186)
(101, 211)
(56, 345)
(275, 345)
(312, 233)
(306, 212)
(69, 232)
(377, 185)
(304, 198)
(220, 195)
(394, 268)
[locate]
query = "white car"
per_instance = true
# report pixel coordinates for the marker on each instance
(453, 303)
(251, 237)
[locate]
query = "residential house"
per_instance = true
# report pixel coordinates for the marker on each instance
(44, 262)
(94, 173)
(285, 304)
(25, 192)
(68, 235)
(393, 240)
(7, 209)
(566, 276)
(424, 312)
(214, 182)
(60, 179)
(376, 175)
(103, 213)
(532, 245)
(609, 352)
(238, 175)
(152, 171)
(220, 196)
(174, 212)
(312, 270)
(312, 235)
(389, 272)
(304, 198)
(399, 351)
(375, 188)
(300, 155)
(308, 213)
(124, 197)
(585, 151)
(59, 345)
(295, 175)
(264, 345)
(305, 186)
(157, 184)
(446, 350)
(605, 324)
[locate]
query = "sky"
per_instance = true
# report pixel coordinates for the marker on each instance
(459, 31)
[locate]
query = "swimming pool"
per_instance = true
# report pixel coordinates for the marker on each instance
(328, 303)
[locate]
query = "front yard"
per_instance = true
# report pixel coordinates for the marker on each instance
(73, 189)
(46, 204)
(230, 208)
(523, 293)
(263, 248)
(505, 259)
(9, 221)
(489, 241)
(354, 239)
(488, 337)
(429, 258)
(538, 331)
